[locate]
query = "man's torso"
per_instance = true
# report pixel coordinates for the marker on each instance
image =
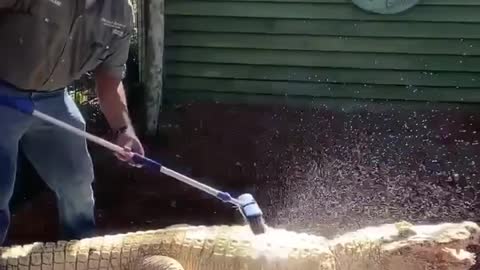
(46, 44)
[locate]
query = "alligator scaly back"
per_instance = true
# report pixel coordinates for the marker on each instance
(386, 247)
(193, 247)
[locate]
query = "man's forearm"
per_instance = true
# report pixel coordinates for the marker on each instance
(113, 101)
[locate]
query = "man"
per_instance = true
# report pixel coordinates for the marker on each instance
(45, 45)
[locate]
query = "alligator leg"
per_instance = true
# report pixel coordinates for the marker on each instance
(158, 262)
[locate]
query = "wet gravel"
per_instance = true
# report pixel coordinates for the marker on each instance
(341, 171)
(325, 169)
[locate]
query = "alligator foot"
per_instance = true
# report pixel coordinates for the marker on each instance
(159, 263)
(405, 246)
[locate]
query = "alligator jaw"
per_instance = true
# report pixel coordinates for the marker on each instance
(403, 245)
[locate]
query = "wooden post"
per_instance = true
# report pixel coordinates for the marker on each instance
(140, 24)
(152, 70)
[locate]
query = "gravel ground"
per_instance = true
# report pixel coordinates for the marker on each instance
(319, 170)
(347, 171)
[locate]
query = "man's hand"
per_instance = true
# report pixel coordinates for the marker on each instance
(130, 142)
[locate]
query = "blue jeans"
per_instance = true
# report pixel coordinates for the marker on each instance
(60, 158)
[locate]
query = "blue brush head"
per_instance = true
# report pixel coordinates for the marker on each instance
(252, 213)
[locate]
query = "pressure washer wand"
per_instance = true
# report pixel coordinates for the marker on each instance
(245, 203)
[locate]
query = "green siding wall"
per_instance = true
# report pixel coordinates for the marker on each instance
(323, 48)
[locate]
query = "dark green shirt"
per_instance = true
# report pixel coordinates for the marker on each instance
(47, 44)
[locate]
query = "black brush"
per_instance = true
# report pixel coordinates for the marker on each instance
(252, 213)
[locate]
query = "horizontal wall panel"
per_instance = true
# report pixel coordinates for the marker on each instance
(321, 89)
(323, 43)
(324, 27)
(325, 59)
(319, 11)
(346, 104)
(323, 48)
(324, 75)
